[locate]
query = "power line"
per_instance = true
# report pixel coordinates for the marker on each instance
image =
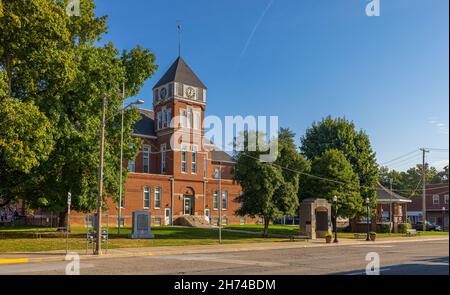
(399, 157)
(408, 160)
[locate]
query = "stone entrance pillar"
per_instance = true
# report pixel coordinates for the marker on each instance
(315, 218)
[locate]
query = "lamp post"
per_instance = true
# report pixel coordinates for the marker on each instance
(137, 102)
(335, 199)
(443, 216)
(368, 219)
(98, 239)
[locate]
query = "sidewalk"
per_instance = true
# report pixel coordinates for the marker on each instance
(13, 258)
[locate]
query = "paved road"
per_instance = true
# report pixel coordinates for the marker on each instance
(428, 257)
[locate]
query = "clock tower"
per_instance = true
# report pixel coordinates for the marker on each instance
(179, 102)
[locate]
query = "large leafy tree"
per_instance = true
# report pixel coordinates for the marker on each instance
(409, 183)
(51, 59)
(341, 134)
(269, 188)
(25, 141)
(333, 165)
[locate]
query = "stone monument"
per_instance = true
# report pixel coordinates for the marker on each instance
(141, 226)
(315, 218)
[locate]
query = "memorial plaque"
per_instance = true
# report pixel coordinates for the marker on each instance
(141, 225)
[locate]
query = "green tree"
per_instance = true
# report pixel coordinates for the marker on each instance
(25, 141)
(51, 59)
(341, 134)
(345, 185)
(409, 183)
(269, 189)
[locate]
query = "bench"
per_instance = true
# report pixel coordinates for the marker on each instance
(360, 236)
(412, 232)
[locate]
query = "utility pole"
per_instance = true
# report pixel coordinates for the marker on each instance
(391, 219)
(98, 246)
(121, 163)
(424, 210)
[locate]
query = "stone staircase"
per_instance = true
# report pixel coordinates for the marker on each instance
(191, 220)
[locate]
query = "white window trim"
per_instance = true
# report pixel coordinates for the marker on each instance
(145, 146)
(168, 117)
(183, 115)
(149, 197)
(159, 121)
(189, 118)
(215, 198)
(194, 149)
(221, 199)
(436, 198)
(196, 120)
(164, 117)
(160, 197)
(184, 149)
(445, 199)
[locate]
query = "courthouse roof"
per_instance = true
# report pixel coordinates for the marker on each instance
(179, 71)
(146, 125)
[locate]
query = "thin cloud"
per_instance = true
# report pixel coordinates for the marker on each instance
(258, 22)
(440, 126)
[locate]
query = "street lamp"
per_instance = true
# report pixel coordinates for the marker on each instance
(443, 216)
(335, 199)
(368, 219)
(137, 102)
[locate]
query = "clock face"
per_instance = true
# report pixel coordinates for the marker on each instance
(163, 93)
(190, 92)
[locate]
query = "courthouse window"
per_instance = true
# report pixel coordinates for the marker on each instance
(157, 197)
(146, 159)
(183, 159)
(194, 160)
(146, 197)
(224, 200)
(216, 200)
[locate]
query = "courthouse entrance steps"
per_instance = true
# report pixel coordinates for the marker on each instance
(191, 220)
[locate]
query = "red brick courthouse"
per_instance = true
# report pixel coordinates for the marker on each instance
(176, 176)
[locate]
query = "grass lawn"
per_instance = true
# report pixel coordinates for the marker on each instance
(21, 239)
(287, 230)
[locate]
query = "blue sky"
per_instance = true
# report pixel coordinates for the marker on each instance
(302, 60)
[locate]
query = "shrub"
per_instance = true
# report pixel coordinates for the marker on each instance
(402, 227)
(383, 227)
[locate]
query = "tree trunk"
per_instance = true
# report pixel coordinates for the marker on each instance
(62, 219)
(266, 227)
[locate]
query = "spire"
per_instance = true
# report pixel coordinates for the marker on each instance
(180, 72)
(179, 37)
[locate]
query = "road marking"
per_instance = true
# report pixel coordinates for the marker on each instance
(14, 260)
(37, 267)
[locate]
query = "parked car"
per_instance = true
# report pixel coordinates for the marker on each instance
(429, 226)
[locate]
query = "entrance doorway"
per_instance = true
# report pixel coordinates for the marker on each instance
(188, 205)
(208, 215)
(167, 215)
